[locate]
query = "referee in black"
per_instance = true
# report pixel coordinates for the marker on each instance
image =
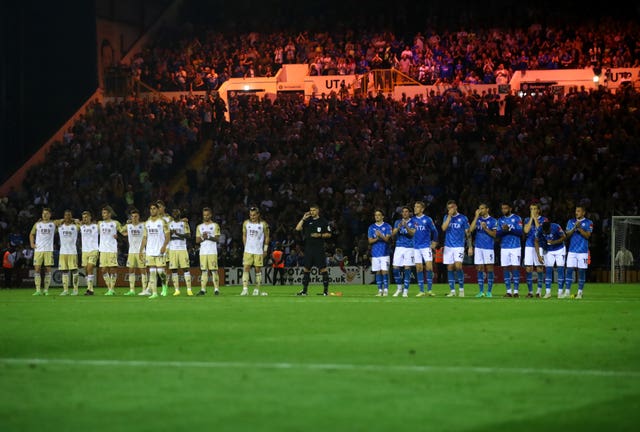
(315, 229)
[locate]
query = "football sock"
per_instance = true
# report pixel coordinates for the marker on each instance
(75, 279)
(490, 277)
(582, 278)
(560, 278)
(507, 280)
(515, 278)
(153, 281)
(429, 280)
(204, 279)
(548, 278)
(540, 279)
(420, 275)
(568, 279)
(460, 279)
(396, 277)
(481, 281)
(407, 278)
(451, 280)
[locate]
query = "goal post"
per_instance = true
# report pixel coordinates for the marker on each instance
(625, 248)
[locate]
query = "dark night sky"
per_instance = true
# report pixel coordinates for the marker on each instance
(48, 70)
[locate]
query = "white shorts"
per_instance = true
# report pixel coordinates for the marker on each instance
(452, 255)
(577, 260)
(483, 256)
(510, 257)
(403, 257)
(554, 257)
(530, 256)
(380, 263)
(422, 255)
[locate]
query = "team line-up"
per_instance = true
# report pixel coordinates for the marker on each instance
(161, 242)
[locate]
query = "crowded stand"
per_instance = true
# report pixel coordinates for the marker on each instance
(201, 58)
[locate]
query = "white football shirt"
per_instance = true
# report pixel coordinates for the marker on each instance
(89, 235)
(68, 239)
(208, 247)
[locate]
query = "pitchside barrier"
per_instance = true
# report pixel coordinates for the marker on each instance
(351, 275)
(348, 275)
(232, 276)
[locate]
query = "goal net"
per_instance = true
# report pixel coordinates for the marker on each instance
(625, 248)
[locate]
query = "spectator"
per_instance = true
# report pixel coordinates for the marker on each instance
(624, 262)
(9, 259)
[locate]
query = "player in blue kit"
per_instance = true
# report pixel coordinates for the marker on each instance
(455, 227)
(403, 255)
(551, 239)
(379, 235)
(425, 239)
(531, 226)
(486, 227)
(510, 234)
(579, 231)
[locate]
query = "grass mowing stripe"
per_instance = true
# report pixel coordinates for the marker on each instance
(324, 366)
(353, 363)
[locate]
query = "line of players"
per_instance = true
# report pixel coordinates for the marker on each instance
(154, 245)
(416, 237)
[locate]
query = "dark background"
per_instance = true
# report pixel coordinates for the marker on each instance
(48, 71)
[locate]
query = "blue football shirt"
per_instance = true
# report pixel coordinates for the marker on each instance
(456, 231)
(379, 248)
(482, 239)
(577, 243)
(403, 238)
(426, 231)
(511, 237)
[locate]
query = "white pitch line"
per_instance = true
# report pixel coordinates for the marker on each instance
(322, 366)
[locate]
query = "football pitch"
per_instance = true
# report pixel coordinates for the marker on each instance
(350, 363)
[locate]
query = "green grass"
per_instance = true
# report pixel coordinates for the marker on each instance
(352, 363)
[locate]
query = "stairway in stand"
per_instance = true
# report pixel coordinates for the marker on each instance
(195, 162)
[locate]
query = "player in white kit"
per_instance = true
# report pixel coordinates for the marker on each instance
(178, 253)
(154, 246)
(68, 230)
(255, 237)
(134, 231)
(90, 235)
(41, 239)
